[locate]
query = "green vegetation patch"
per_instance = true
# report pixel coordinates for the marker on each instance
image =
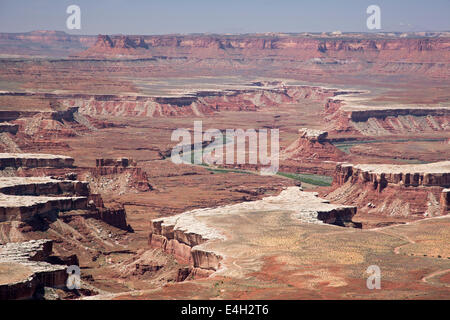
(314, 179)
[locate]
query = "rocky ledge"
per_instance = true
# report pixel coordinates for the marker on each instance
(445, 201)
(24, 269)
(430, 174)
(312, 145)
(26, 198)
(9, 127)
(42, 186)
(187, 235)
(408, 191)
(31, 160)
(313, 134)
(349, 113)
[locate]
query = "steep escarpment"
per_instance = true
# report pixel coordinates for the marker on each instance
(117, 176)
(34, 160)
(44, 43)
(427, 175)
(416, 46)
(413, 191)
(79, 111)
(311, 152)
(197, 103)
(27, 199)
(31, 129)
(297, 46)
(24, 269)
(319, 55)
(311, 144)
(348, 114)
(184, 245)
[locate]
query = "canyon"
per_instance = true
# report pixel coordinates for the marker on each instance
(86, 177)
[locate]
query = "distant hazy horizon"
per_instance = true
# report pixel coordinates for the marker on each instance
(230, 17)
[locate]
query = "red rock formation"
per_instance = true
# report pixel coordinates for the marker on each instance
(115, 216)
(27, 269)
(121, 45)
(121, 162)
(386, 120)
(427, 175)
(296, 46)
(312, 153)
(28, 160)
(181, 246)
(138, 178)
(44, 42)
(444, 201)
(196, 103)
(396, 190)
(312, 145)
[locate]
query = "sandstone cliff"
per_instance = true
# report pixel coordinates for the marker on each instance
(24, 269)
(372, 120)
(312, 145)
(413, 191)
(295, 46)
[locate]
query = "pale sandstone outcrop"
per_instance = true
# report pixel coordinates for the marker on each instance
(313, 134)
(431, 174)
(26, 269)
(25, 208)
(31, 160)
(25, 198)
(185, 235)
(413, 191)
(22, 198)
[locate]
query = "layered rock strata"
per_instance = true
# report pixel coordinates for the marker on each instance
(26, 198)
(412, 191)
(312, 145)
(137, 177)
(24, 269)
(444, 201)
(312, 152)
(187, 235)
(251, 98)
(351, 114)
(296, 46)
(30, 160)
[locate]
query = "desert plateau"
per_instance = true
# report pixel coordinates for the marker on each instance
(87, 176)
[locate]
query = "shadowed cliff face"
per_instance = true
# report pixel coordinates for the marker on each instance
(320, 55)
